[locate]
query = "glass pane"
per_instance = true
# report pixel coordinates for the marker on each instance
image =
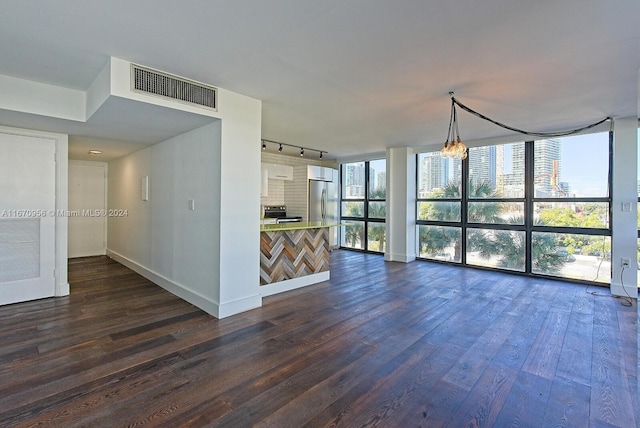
(496, 212)
(377, 210)
(572, 256)
(504, 249)
(353, 180)
(353, 235)
(572, 214)
(572, 166)
(376, 236)
(439, 211)
(496, 171)
(352, 209)
(438, 177)
(378, 179)
(440, 243)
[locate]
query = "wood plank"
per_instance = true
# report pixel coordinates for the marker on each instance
(381, 343)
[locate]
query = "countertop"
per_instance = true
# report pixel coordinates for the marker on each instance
(297, 226)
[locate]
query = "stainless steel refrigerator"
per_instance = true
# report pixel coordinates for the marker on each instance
(323, 206)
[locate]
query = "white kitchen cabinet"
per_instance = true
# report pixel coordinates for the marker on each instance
(278, 172)
(315, 172)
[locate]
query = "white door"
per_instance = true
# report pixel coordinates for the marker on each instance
(87, 208)
(27, 218)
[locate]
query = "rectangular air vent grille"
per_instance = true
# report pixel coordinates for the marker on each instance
(153, 82)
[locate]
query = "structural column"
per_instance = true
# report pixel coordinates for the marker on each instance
(624, 242)
(401, 205)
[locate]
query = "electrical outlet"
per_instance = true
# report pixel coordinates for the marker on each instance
(625, 263)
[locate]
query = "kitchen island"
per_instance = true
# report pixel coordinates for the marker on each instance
(293, 255)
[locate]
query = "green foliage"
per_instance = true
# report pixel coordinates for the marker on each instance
(353, 209)
(378, 193)
(598, 246)
(377, 210)
(376, 236)
(592, 215)
(354, 235)
(434, 239)
(559, 217)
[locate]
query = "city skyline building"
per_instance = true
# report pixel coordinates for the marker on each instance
(354, 175)
(502, 166)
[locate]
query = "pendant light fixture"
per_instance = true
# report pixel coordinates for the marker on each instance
(453, 145)
(455, 148)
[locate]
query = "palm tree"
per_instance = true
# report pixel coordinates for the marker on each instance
(354, 234)
(435, 239)
(510, 246)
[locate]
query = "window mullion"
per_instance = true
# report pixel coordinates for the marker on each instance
(529, 189)
(464, 199)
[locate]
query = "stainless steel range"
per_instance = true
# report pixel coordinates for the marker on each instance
(278, 214)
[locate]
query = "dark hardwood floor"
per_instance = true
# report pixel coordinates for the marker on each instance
(381, 344)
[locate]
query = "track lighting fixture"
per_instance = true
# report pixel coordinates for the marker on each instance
(302, 149)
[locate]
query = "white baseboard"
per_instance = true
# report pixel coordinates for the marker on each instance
(206, 304)
(404, 258)
(227, 309)
(627, 291)
(62, 290)
(292, 284)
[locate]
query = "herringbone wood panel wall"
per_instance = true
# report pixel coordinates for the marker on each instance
(292, 254)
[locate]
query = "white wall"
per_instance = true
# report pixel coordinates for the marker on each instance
(239, 202)
(42, 99)
(624, 243)
(171, 244)
(130, 236)
(210, 256)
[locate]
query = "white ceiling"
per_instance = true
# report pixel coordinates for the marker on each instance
(350, 77)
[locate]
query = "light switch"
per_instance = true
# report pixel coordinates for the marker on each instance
(626, 207)
(191, 205)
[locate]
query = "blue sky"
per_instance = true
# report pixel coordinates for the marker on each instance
(584, 163)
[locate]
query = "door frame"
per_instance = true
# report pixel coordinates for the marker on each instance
(62, 201)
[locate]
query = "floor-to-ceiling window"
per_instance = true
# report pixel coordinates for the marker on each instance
(537, 207)
(363, 205)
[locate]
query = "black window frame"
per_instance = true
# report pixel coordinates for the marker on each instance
(528, 227)
(365, 219)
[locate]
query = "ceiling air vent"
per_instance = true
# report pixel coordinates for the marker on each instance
(148, 81)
